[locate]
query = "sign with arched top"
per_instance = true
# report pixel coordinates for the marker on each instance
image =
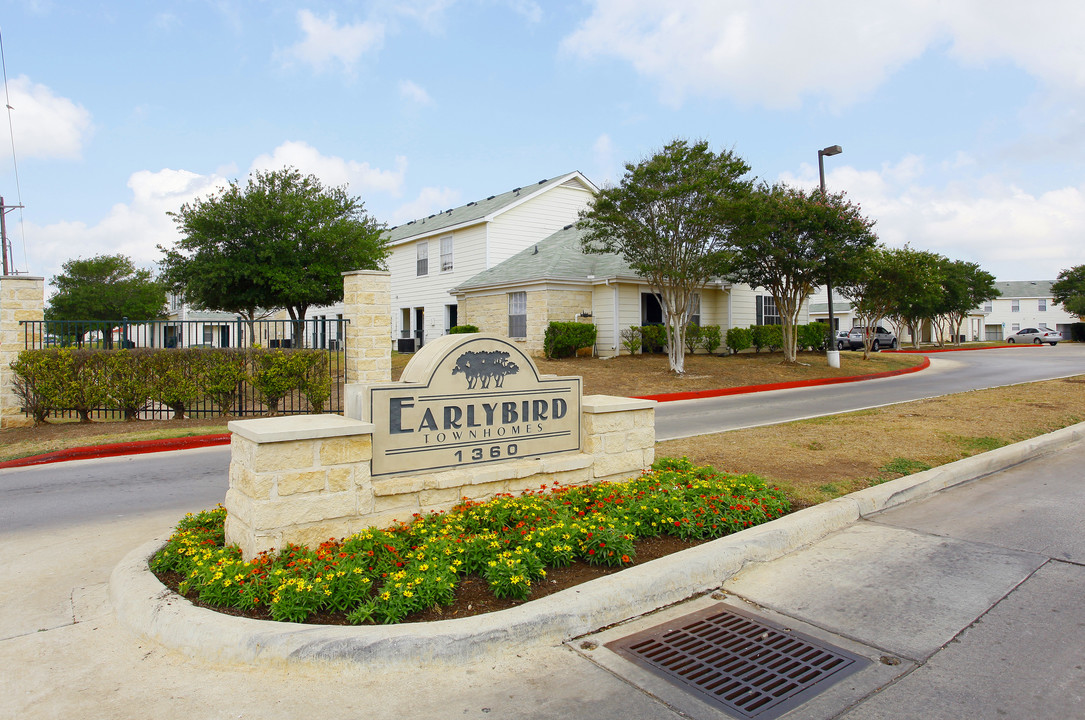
(470, 399)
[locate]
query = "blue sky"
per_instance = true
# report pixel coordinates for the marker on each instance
(962, 122)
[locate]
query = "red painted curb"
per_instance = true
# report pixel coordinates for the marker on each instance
(137, 447)
(148, 446)
(697, 394)
(961, 349)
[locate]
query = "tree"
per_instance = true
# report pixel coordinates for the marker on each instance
(964, 288)
(668, 220)
(916, 278)
(784, 239)
(871, 287)
(1069, 290)
(281, 241)
(103, 290)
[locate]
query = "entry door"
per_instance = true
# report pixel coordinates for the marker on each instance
(419, 325)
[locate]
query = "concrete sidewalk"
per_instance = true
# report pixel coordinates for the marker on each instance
(966, 603)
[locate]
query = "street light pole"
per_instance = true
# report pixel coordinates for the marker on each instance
(831, 354)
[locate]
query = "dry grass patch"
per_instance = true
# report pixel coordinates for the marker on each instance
(822, 458)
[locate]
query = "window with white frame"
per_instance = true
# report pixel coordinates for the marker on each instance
(767, 313)
(695, 309)
(1015, 327)
(1015, 306)
(988, 306)
(446, 253)
(1041, 304)
(518, 315)
(423, 258)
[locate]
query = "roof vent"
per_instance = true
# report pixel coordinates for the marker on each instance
(567, 226)
(411, 222)
(542, 181)
(536, 251)
(516, 190)
(491, 197)
(470, 203)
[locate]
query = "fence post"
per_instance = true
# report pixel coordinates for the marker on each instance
(22, 299)
(367, 308)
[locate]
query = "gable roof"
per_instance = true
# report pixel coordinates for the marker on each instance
(1025, 289)
(557, 257)
(482, 210)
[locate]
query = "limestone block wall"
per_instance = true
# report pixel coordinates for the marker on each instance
(305, 479)
(367, 295)
(22, 298)
(490, 313)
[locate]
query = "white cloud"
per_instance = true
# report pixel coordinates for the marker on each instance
(414, 92)
(326, 42)
(362, 177)
(1014, 234)
(429, 201)
(528, 8)
(46, 125)
(777, 53)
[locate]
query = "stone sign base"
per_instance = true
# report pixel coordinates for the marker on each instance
(306, 479)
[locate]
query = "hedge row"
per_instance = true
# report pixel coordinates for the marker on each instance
(564, 339)
(51, 380)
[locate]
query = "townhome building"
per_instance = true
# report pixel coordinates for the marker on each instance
(433, 255)
(1024, 304)
(555, 281)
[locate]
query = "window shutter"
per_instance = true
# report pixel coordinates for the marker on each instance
(760, 310)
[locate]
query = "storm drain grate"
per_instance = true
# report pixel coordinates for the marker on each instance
(744, 664)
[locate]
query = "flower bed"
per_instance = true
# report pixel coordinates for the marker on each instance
(383, 575)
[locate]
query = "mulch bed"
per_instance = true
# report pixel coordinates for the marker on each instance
(473, 596)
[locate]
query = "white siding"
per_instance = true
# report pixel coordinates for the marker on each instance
(430, 291)
(540, 217)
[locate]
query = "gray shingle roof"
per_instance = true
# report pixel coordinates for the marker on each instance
(556, 257)
(1025, 288)
(474, 211)
(838, 307)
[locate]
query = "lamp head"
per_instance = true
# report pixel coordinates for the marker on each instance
(831, 150)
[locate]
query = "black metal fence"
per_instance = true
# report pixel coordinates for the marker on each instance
(320, 334)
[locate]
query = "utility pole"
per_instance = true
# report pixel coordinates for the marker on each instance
(4, 210)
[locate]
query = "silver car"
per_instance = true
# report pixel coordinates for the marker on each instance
(882, 338)
(1036, 336)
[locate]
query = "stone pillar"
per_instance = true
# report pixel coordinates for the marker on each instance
(367, 304)
(620, 435)
(22, 298)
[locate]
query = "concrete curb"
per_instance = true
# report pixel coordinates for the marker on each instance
(143, 604)
(136, 447)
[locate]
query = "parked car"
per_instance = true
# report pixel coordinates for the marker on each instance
(1036, 336)
(842, 339)
(882, 338)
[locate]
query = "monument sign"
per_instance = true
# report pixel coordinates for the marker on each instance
(464, 400)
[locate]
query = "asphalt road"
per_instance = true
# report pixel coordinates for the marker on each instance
(136, 486)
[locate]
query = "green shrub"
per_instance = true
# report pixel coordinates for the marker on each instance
(176, 380)
(632, 339)
(129, 379)
(739, 339)
(767, 336)
(653, 338)
(38, 382)
(276, 374)
(460, 329)
(86, 387)
(813, 335)
(711, 338)
(693, 337)
(316, 385)
(564, 339)
(221, 374)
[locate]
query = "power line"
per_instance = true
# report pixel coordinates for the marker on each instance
(8, 264)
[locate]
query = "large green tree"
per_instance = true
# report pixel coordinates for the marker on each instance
(282, 240)
(97, 293)
(965, 286)
(668, 220)
(784, 239)
(1069, 290)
